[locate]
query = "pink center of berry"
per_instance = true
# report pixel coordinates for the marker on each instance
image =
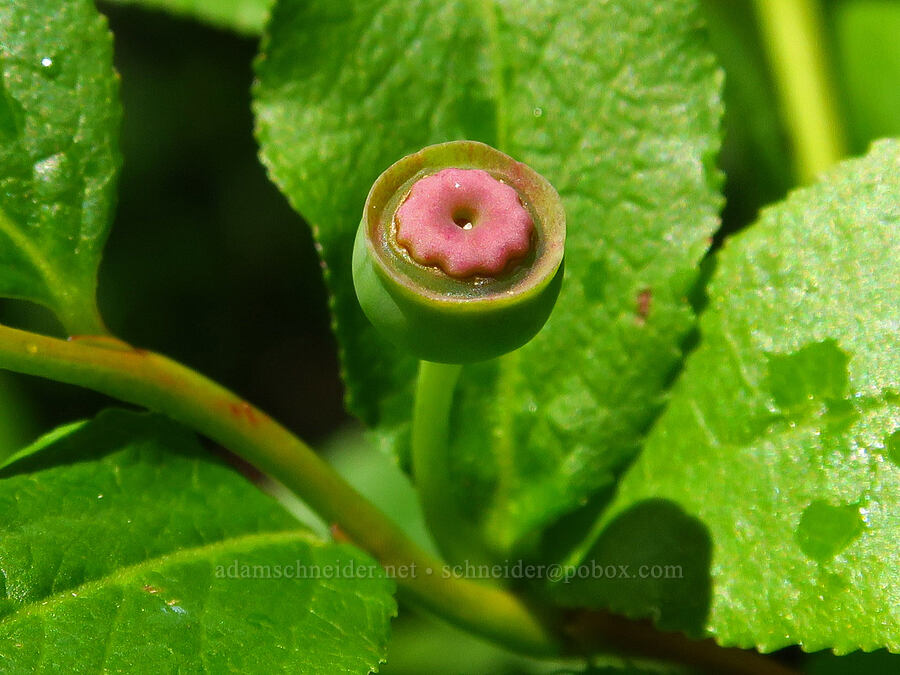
(464, 221)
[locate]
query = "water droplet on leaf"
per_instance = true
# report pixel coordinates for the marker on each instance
(49, 66)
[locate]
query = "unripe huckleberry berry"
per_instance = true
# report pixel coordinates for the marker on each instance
(459, 255)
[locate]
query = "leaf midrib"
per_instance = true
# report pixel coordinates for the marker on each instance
(118, 576)
(34, 255)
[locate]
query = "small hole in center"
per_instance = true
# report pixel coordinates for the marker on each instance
(464, 218)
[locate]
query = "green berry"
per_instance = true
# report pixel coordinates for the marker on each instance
(459, 255)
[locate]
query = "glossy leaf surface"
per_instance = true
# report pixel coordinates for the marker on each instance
(124, 546)
(772, 478)
(59, 158)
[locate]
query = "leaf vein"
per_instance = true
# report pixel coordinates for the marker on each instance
(41, 606)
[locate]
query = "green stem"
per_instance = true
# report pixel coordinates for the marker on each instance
(794, 38)
(109, 366)
(454, 534)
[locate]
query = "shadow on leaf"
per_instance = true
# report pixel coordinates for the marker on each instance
(652, 560)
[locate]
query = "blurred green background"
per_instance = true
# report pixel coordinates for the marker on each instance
(208, 264)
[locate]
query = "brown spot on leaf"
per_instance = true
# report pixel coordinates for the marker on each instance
(644, 303)
(152, 590)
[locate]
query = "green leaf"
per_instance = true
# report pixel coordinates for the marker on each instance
(617, 104)
(243, 16)
(772, 477)
(59, 125)
(125, 547)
